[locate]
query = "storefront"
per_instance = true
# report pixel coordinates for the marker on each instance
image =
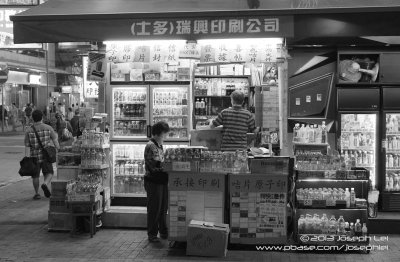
(181, 69)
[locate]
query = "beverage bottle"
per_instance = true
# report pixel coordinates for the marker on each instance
(306, 133)
(352, 198)
(364, 230)
(390, 159)
(324, 224)
(324, 135)
(347, 197)
(351, 140)
(332, 225)
(308, 224)
(197, 107)
(196, 87)
(318, 134)
(311, 134)
(301, 225)
(295, 132)
(391, 182)
(394, 143)
(316, 224)
(301, 132)
(341, 226)
(202, 107)
(347, 228)
(352, 232)
(135, 168)
(99, 158)
(358, 228)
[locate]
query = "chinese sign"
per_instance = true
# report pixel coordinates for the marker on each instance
(194, 196)
(6, 29)
(257, 208)
(260, 52)
(279, 26)
(90, 88)
(182, 181)
(258, 183)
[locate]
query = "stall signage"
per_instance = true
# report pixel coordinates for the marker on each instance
(90, 88)
(190, 51)
(19, 2)
(187, 181)
(258, 183)
(262, 26)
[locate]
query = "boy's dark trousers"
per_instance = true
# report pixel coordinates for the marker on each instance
(157, 206)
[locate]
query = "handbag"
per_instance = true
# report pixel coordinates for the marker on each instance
(28, 166)
(66, 135)
(49, 152)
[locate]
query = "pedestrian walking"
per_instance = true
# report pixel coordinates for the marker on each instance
(47, 135)
(5, 123)
(156, 183)
(14, 117)
(76, 128)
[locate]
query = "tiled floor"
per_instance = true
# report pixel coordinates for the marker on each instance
(24, 237)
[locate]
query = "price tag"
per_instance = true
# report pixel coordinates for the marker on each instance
(319, 203)
(181, 166)
(308, 202)
(330, 203)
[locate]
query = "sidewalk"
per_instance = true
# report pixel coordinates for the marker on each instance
(24, 237)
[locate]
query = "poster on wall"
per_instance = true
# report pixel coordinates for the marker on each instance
(270, 74)
(97, 67)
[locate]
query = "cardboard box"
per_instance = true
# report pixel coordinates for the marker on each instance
(67, 173)
(59, 188)
(59, 221)
(58, 205)
(207, 239)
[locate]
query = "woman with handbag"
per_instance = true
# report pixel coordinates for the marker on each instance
(39, 138)
(63, 128)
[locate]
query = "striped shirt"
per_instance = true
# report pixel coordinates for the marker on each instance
(237, 123)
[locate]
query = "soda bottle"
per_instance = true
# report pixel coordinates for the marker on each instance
(358, 228)
(301, 225)
(364, 230)
(332, 225)
(352, 198)
(341, 226)
(324, 134)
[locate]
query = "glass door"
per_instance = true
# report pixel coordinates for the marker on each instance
(129, 112)
(128, 169)
(170, 104)
(392, 156)
(358, 140)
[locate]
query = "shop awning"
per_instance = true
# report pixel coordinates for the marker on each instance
(101, 20)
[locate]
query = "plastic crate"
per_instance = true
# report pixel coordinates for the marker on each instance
(58, 205)
(59, 188)
(59, 222)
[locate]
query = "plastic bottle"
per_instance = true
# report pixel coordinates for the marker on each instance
(316, 226)
(341, 226)
(352, 198)
(347, 228)
(296, 130)
(324, 134)
(358, 228)
(308, 224)
(311, 134)
(347, 198)
(352, 232)
(332, 225)
(324, 224)
(301, 224)
(391, 182)
(364, 230)
(197, 107)
(390, 160)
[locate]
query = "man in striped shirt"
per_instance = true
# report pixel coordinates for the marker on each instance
(236, 122)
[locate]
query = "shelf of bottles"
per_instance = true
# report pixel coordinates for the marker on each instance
(128, 169)
(95, 150)
(392, 157)
(212, 95)
(170, 104)
(358, 141)
(129, 112)
(316, 227)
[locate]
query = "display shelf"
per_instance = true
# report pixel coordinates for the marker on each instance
(330, 180)
(68, 167)
(104, 146)
(129, 118)
(393, 134)
(388, 151)
(129, 195)
(104, 166)
(130, 103)
(205, 96)
(358, 131)
(169, 116)
(391, 191)
(392, 168)
(310, 144)
(221, 76)
(127, 159)
(366, 148)
(119, 83)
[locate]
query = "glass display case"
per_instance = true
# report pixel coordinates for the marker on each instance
(170, 104)
(129, 112)
(358, 140)
(392, 156)
(128, 169)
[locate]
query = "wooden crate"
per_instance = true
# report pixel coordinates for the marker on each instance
(58, 205)
(59, 221)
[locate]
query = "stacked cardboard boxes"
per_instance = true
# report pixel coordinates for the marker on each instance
(59, 215)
